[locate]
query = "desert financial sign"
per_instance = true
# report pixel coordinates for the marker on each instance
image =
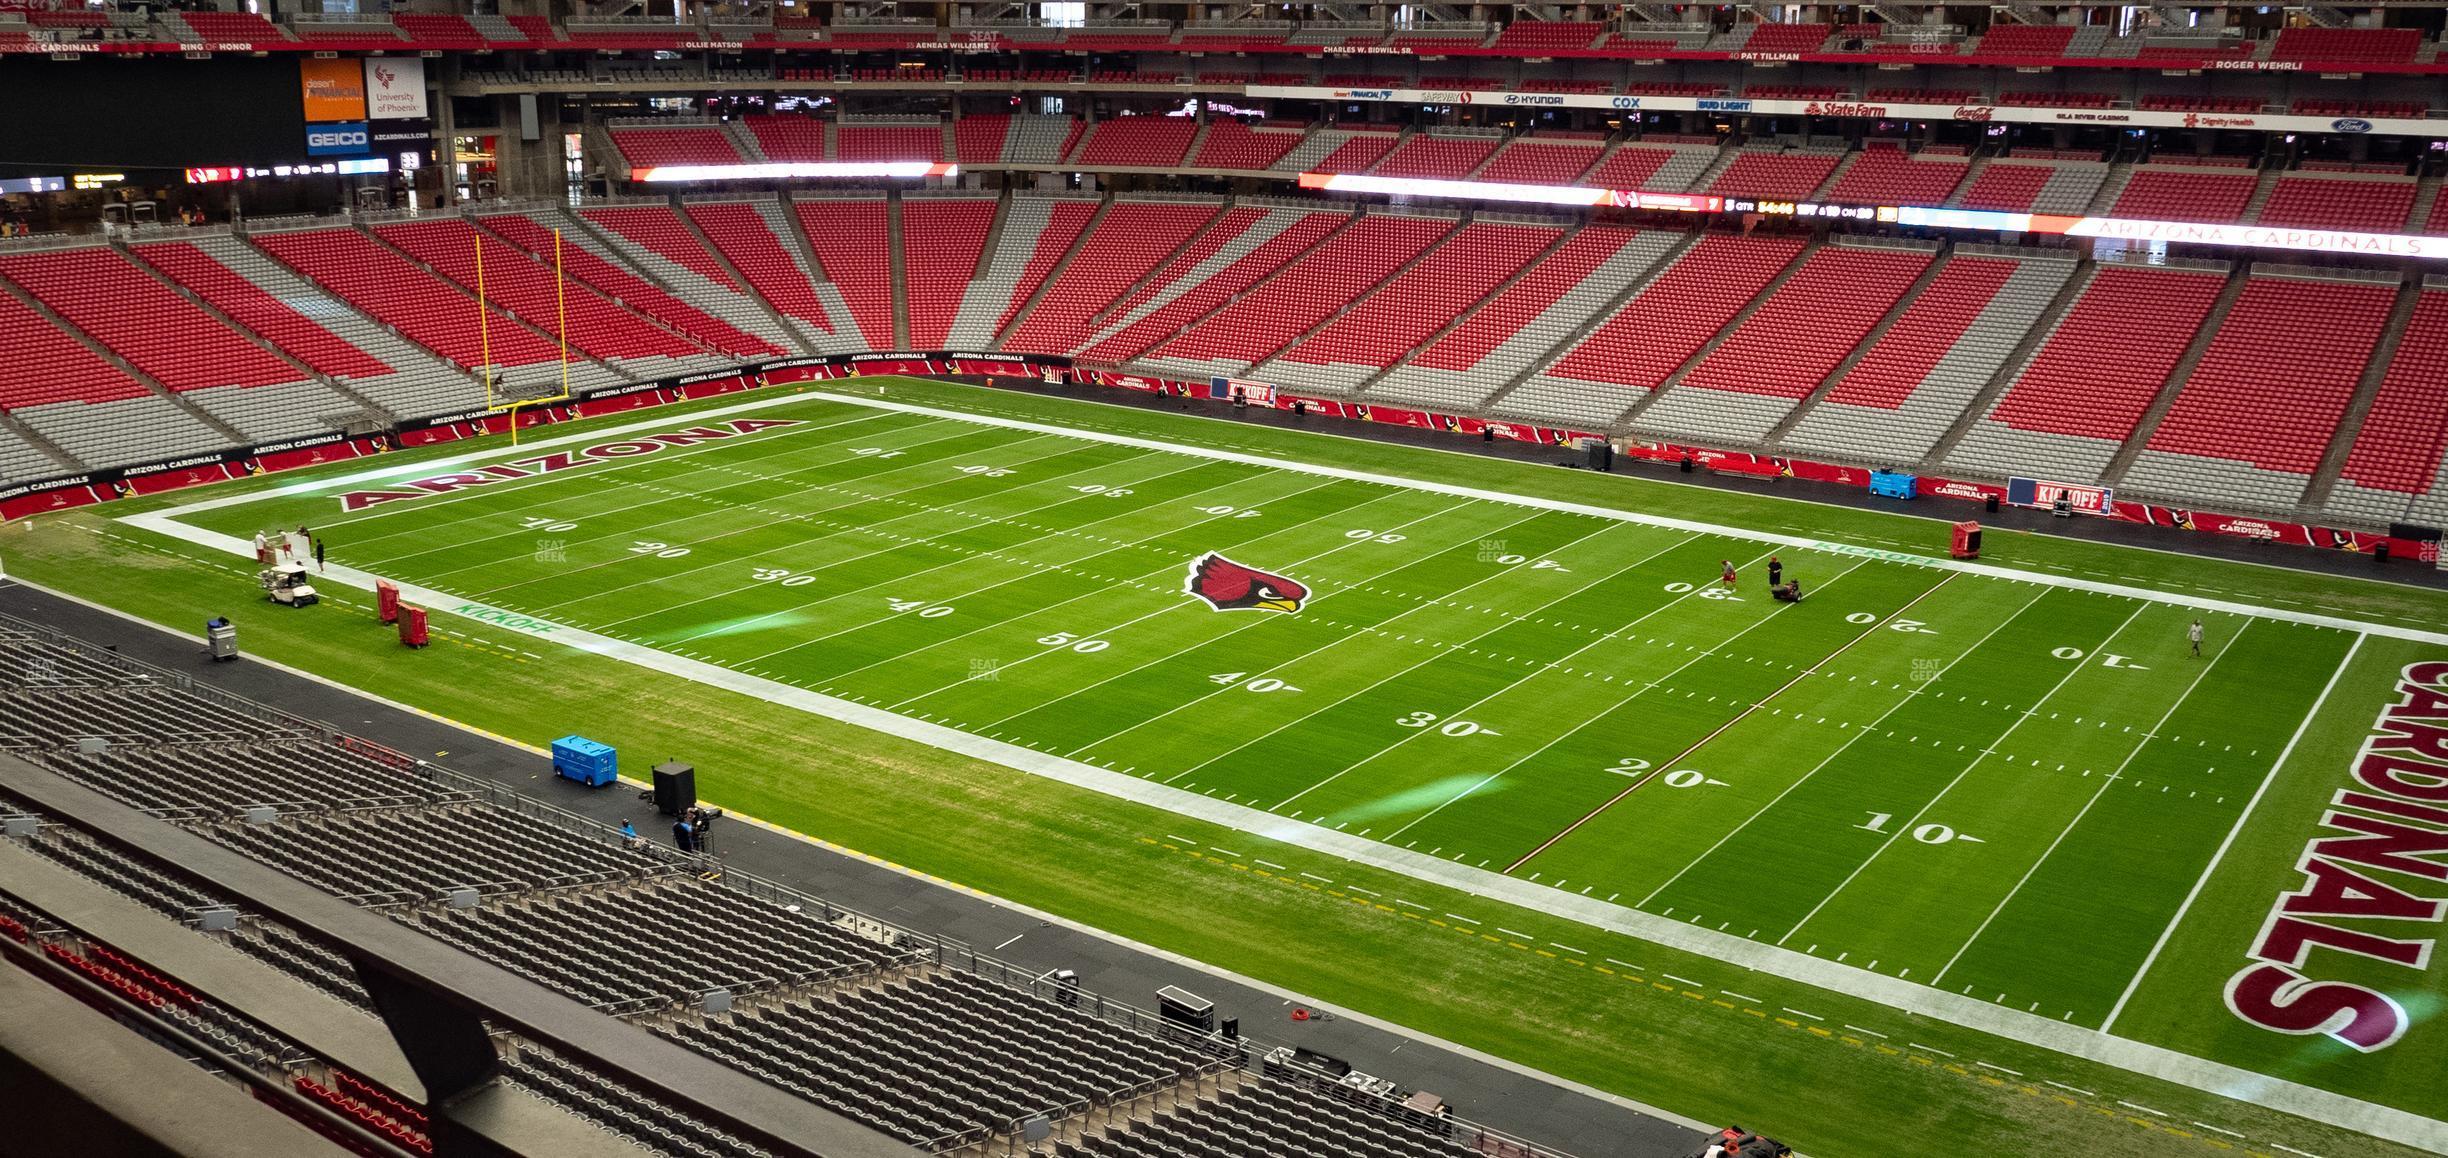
(519, 468)
(2384, 830)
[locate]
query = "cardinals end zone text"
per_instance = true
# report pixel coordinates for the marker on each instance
(2384, 831)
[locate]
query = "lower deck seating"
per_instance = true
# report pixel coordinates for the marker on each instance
(1781, 353)
(2077, 400)
(2254, 418)
(1895, 404)
(2397, 469)
(1655, 331)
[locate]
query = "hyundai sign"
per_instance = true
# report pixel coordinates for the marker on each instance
(343, 139)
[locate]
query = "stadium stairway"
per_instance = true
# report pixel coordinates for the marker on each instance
(1936, 364)
(1133, 242)
(25, 454)
(1869, 341)
(1530, 323)
(417, 385)
(2367, 394)
(1752, 377)
(809, 336)
(1532, 393)
(1446, 280)
(1530, 264)
(1305, 293)
(611, 275)
(781, 217)
(2027, 341)
(339, 390)
(760, 248)
(2067, 410)
(1767, 292)
(1242, 246)
(1035, 234)
(2204, 337)
(2262, 408)
(586, 368)
(855, 259)
(125, 431)
(657, 226)
(899, 251)
(1040, 276)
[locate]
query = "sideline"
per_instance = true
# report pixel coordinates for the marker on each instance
(2155, 1061)
(1292, 996)
(166, 521)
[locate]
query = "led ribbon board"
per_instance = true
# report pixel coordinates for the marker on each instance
(2231, 235)
(777, 169)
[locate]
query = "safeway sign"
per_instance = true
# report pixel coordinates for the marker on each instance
(395, 88)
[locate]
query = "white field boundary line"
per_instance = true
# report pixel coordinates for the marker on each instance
(2106, 782)
(154, 520)
(1292, 996)
(1912, 997)
(2267, 778)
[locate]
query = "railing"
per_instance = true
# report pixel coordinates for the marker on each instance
(2327, 273)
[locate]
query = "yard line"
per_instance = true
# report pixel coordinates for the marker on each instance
(1035, 569)
(856, 498)
(773, 480)
(2136, 983)
(1637, 693)
(1172, 607)
(611, 470)
(1052, 500)
(1136, 669)
(1437, 654)
(1260, 534)
(810, 516)
(1858, 733)
(1967, 567)
(2072, 670)
(2106, 782)
(1278, 665)
(1658, 770)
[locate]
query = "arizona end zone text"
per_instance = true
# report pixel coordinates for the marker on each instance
(2395, 818)
(520, 468)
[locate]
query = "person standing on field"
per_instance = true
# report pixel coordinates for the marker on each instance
(1726, 573)
(1776, 571)
(2194, 634)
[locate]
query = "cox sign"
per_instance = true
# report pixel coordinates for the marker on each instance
(344, 139)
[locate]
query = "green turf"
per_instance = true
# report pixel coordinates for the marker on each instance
(1923, 774)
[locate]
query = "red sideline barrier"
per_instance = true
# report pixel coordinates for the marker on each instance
(76, 493)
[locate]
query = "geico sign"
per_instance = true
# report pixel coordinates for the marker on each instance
(330, 140)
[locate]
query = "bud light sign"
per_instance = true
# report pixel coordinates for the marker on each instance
(344, 139)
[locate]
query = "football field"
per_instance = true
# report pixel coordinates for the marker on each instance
(2002, 786)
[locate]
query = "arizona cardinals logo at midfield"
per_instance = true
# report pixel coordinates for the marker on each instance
(1229, 586)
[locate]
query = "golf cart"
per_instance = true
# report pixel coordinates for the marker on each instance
(1736, 1142)
(288, 585)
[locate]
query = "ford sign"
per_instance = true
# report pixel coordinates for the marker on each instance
(2351, 125)
(344, 139)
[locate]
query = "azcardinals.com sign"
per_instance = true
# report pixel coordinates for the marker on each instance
(347, 139)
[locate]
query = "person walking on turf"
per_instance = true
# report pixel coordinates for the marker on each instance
(1726, 573)
(2194, 633)
(1776, 571)
(318, 554)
